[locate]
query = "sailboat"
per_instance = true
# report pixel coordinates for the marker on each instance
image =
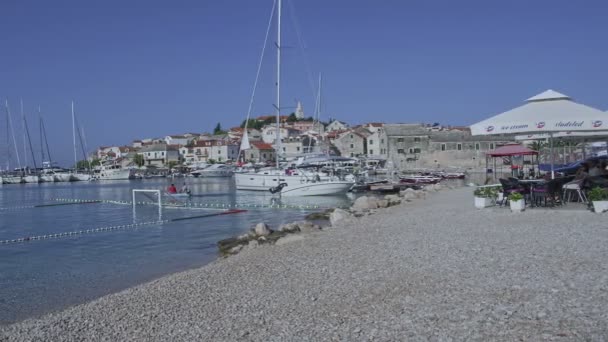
(76, 176)
(285, 181)
(29, 177)
(46, 175)
(11, 177)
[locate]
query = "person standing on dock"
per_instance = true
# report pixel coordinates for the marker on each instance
(172, 189)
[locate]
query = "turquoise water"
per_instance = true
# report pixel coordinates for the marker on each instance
(38, 277)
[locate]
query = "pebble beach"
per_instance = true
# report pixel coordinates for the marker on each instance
(430, 269)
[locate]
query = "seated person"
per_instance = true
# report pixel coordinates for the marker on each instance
(582, 172)
(172, 189)
(595, 170)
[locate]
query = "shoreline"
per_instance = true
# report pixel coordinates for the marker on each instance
(430, 267)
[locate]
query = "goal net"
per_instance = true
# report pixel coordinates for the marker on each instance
(147, 202)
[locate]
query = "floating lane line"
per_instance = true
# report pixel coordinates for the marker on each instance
(204, 205)
(113, 228)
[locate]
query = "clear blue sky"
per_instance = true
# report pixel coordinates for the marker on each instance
(140, 69)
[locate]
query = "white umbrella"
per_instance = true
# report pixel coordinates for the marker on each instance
(548, 112)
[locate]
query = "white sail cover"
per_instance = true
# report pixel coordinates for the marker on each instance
(549, 111)
(245, 141)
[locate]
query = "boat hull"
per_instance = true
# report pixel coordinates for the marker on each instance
(214, 173)
(47, 178)
(62, 177)
(83, 177)
(115, 174)
(12, 180)
(317, 189)
(263, 182)
(31, 179)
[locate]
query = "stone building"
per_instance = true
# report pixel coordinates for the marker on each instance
(353, 143)
(418, 146)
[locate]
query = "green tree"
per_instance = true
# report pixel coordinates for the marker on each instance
(138, 159)
(85, 164)
(292, 117)
(218, 129)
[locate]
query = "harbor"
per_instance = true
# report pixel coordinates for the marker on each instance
(291, 170)
(67, 270)
(451, 271)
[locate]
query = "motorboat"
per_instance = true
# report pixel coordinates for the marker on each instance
(62, 177)
(215, 170)
(113, 172)
(419, 179)
(80, 177)
(178, 195)
(12, 179)
(314, 188)
(31, 179)
(268, 178)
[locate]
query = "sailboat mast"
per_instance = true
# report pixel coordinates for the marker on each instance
(46, 142)
(41, 137)
(24, 144)
(29, 140)
(10, 123)
(74, 135)
(278, 106)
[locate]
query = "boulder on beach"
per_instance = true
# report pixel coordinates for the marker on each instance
(262, 229)
(365, 203)
(288, 239)
(299, 226)
(392, 200)
(339, 215)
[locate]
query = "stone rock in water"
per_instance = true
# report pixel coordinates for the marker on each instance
(339, 215)
(305, 226)
(292, 227)
(262, 229)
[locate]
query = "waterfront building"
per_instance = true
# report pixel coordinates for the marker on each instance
(353, 143)
(160, 155)
(260, 152)
(421, 146)
(205, 150)
(337, 125)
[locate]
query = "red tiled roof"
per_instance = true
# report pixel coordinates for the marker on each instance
(261, 145)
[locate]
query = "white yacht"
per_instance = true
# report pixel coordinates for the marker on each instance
(316, 188)
(113, 172)
(31, 179)
(265, 179)
(8, 179)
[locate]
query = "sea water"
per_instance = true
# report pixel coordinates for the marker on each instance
(38, 277)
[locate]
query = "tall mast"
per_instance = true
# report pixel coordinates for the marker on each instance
(278, 106)
(74, 135)
(10, 122)
(24, 144)
(41, 137)
(46, 142)
(29, 140)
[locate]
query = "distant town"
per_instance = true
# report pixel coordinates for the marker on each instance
(416, 145)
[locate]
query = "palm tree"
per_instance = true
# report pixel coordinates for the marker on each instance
(538, 146)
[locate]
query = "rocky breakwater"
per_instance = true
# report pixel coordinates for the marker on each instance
(261, 234)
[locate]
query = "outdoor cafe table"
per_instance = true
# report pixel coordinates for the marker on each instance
(530, 184)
